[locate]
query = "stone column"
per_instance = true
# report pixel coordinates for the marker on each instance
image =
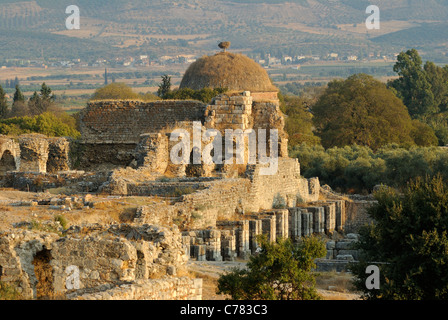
(282, 226)
(330, 217)
(295, 223)
(307, 223)
(269, 228)
(255, 229)
(228, 245)
(243, 239)
(318, 219)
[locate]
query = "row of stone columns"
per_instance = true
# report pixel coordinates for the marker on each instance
(232, 239)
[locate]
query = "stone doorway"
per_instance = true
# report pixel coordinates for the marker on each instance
(44, 274)
(7, 163)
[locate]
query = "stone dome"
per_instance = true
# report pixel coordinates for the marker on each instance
(236, 72)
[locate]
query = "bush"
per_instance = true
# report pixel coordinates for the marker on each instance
(9, 292)
(279, 202)
(281, 271)
(205, 95)
(46, 123)
(359, 168)
(361, 110)
(115, 91)
(410, 240)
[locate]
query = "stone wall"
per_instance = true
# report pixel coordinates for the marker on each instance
(356, 214)
(157, 289)
(34, 153)
(9, 155)
(40, 264)
(219, 199)
(117, 122)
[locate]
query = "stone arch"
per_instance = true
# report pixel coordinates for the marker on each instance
(44, 274)
(7, 162)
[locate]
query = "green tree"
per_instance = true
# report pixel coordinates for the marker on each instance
(423, 134)
(46, 123)
(35, 104)
(115, 91)
(281, 271)
(438, 79)
(3, 104)
(412, 85)
(409, 238)
(164, 87)
(45, 93)
(298, 120)
(361, 110)
(18, 95)
(43, 102)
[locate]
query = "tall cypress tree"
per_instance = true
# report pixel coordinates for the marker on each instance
(105, 77)
(3, 104)
(18, 95)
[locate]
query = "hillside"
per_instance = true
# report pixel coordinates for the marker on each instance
(193, 26)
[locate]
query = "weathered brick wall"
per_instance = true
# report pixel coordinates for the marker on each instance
(124, 121)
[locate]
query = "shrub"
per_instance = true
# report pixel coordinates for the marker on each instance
(359, 168)
(281, 271)
(410, 240)
(46, 123)
(279, 202)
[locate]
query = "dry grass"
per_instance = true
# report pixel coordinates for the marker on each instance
(334, 281)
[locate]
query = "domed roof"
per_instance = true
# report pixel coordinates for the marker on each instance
(236, 72)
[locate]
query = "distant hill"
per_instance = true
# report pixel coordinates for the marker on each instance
(158, 27)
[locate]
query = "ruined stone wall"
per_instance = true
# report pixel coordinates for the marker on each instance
(34, 153)
(157, 289)
(224, 198)
(40, 264)
(356, 215)
(116, 121)
(230, 112)
(9, 154)
(286, 183)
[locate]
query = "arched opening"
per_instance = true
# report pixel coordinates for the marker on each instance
(7, 163)
(44, 274)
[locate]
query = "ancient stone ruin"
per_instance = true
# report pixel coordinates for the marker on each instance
(211, 211)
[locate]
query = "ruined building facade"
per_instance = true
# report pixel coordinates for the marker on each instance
(126, 149)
